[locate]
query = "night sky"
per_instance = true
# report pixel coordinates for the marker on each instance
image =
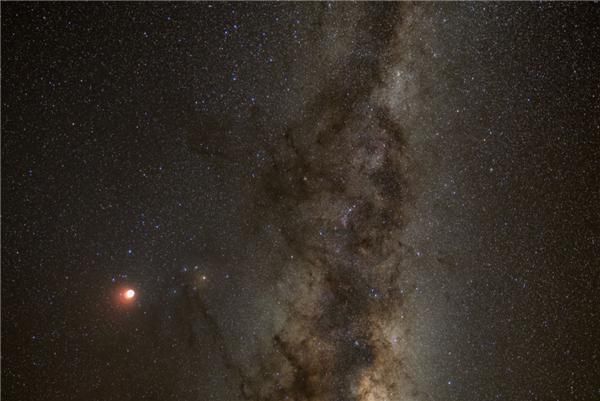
(301, 201)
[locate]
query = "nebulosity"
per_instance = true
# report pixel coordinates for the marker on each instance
(336, 184)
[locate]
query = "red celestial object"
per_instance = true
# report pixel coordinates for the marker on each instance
(127, 295)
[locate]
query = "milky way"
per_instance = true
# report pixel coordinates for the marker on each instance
(336, 183)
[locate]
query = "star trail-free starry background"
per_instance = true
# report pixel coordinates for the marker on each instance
(312, 201)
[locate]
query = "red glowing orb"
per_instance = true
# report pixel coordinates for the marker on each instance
(128, 295)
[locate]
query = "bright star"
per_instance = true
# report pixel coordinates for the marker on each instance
(127, 295)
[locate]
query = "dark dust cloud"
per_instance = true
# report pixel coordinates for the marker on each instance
(312, 201)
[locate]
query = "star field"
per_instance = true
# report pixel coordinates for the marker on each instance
(300, 201)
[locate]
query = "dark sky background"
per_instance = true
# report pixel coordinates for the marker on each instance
(312, 201)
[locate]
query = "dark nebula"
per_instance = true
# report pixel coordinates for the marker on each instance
(334, 184)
